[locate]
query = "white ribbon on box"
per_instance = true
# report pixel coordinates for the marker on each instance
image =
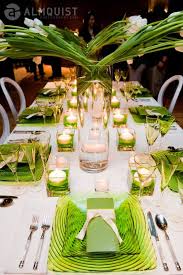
(108, 215)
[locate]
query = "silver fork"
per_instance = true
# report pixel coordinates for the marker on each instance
(45, 226)
(33, 228)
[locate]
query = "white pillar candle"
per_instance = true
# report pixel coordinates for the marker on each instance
(101, 185)
(118, 117)
(94, 148)
(57, 176)
(115, 101)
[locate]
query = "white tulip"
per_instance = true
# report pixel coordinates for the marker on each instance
(37, 60)
(38, 30)
(29, 22)
(174, 14)
(38, 22)
(135, 23)
(1, 26)
(52, 26)
(130, 61)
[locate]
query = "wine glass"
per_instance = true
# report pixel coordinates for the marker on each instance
(152, 130)
(42, 108)
(11, 158)
(29, 151)
(124, 74)
(44, 141)
(145, 168)
(117, 75)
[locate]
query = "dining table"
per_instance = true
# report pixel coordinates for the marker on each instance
(15, 220)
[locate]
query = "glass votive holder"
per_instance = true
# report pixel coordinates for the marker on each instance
(70, 119)
(126, 139)
(72, 103)
(115, 103)
(74, 90)
(58, 177)
(113, 92)
(65, 140)
(119, 118)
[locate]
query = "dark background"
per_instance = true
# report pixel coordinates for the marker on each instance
(106, 11)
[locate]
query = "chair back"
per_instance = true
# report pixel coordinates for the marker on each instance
(178, 78)
(5, 124)
(13, 109)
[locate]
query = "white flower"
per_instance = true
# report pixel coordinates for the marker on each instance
(135, 23)
(29, 22)
(38, 30)
(174, 14)
(21, 34)
(130, 61)
(52, 26)
(179, 49)
(1, 26)
(37, 60)
(38, 22)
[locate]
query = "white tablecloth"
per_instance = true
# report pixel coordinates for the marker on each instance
(15, 220)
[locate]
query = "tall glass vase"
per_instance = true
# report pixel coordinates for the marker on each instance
(94, 89)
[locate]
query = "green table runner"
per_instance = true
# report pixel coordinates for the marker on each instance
(66, 254)
(165, 118)
(170, 177)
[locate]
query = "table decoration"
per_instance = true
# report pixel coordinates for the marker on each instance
(51, 92)
(93, 149)
(65, 140)
(113, 92)
(34, 116)
(68, 254)
(58, 178)
(164, 117)
(101, 185)
(126, 139)
(74, 89)
(70, 119)
(119, 118)
(115, 103)
(137, 90)
(152, 130)
(72, 103)
(101, 222)
(23, 170)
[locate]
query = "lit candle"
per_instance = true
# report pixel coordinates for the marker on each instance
(57, 177)
(115, 103)
(73, 102)
(64, 138)
(143, 177)
(119, 118)
(71, 118)
(126, 139)
(94, 148)
(101, 185)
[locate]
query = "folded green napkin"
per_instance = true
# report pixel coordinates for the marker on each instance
(165, 118)
(139, 91)
(67, 254)
(51, 92)
(170, 169)
(23, 170)
(38, 117)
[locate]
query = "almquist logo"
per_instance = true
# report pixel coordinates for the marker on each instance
(12, 12)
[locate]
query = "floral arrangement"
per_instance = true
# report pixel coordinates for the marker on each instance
(133, 36)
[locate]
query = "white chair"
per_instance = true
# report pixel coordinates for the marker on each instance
(5, 124)
(13, 109)
(178, 78)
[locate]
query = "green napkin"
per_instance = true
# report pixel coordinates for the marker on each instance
(139, 91)
(170, 174)
(137, 252)
(51, 92)
(165, 118)
(23, 170)
(38, 118)
(100, 236)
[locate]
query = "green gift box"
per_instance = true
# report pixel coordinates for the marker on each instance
(100, 236)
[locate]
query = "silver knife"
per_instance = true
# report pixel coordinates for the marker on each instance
(155, 235)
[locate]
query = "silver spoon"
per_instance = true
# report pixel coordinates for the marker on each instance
(6, 202)
(163, 225)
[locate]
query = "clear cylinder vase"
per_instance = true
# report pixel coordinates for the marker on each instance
(94, 89)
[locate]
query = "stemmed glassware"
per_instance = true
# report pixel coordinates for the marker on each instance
(117, 76)
(42, 108)
(152, 130)
(145, 167)
(44, 141)
(11, 158)
(124, 74)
